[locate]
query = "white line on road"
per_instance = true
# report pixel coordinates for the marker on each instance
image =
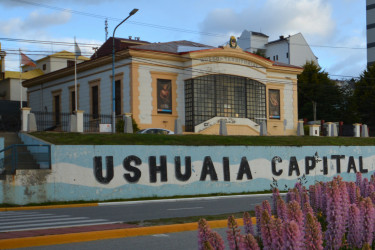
(185, 208)
(25, 222)
(34, 218)
(54, 223)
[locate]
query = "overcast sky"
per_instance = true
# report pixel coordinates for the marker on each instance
(335, 29)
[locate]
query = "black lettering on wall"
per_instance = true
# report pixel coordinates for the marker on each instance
(279, 160)
(244, 169)
(310, 164)
(226, 169)
(361, 169)
(177, 167)
(127, 164)
(351, 165)
(338, 164)
(293, 166)
(325, 165)
(208, 169)
(162, 169)
(98, 169)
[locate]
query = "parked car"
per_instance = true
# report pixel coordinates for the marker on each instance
(159, 131)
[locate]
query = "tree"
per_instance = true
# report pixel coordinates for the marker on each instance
(318, 96)
(364, 96)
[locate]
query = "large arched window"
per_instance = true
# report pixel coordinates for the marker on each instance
(223, 96)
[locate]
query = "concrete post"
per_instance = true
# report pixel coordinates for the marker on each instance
(128, 123)
(357, 129)
(329, 128)
(31, 125)
(177, 127)
(73, 123)
(263, 128)
(334, 130)
(223, 128)
(79, 117)
(364, 131)
(300, 130)
(314, 130)
(25, 115)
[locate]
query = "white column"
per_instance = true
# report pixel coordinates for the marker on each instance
(25, 116)
(357, 130)
(79, 114)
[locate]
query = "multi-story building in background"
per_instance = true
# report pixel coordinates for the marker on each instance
(293, 49)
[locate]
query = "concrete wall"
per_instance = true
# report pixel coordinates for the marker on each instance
(86, 172)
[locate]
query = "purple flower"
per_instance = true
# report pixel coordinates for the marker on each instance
(367, 212)
(275, 196)
(216, 241)
(248, 224)
(313, 233)
(292, 236)
(248, 242)
(203, 233)
(295, 214)
(281, 209)
(277, 233)
(335, 216)
(354, 227)
(233, 233)
(267, 206)
(266, 226)
(258, 215)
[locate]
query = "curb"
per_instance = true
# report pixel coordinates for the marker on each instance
(107, 234)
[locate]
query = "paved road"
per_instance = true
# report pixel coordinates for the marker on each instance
(126, 212)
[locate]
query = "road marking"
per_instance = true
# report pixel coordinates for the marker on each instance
(54, 223)
(73, 219)
(185, 208)
(161, 235)
(34, 218)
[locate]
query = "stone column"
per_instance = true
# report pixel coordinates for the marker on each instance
(25, 115)
(128, 123)
(223, 128)
(357, 129)
(300, 130)
(364, 131)
(79, 116)
(329, 128)
(177, 127)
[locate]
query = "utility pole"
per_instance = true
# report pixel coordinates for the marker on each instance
(106, 29)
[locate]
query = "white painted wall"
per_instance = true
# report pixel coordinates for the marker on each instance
(278, 51)
(300, 51)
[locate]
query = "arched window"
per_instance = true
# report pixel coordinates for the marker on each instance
(223, 96)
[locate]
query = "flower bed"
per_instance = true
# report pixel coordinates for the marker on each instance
(331, 215)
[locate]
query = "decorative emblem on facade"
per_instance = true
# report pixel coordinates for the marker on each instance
(233, 42)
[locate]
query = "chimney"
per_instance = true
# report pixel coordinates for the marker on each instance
(130, 37)
(281, 37)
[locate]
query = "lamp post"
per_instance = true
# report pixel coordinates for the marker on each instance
(113, 72)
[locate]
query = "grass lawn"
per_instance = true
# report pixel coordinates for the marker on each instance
(198, 140)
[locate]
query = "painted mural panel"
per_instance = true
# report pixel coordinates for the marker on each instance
(119, 172)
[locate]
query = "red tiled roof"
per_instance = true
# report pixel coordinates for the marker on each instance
(120, 44)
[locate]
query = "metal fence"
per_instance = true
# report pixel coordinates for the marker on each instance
(51, 121)
(91, 123)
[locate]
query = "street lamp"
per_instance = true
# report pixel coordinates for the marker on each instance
(113, 72)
